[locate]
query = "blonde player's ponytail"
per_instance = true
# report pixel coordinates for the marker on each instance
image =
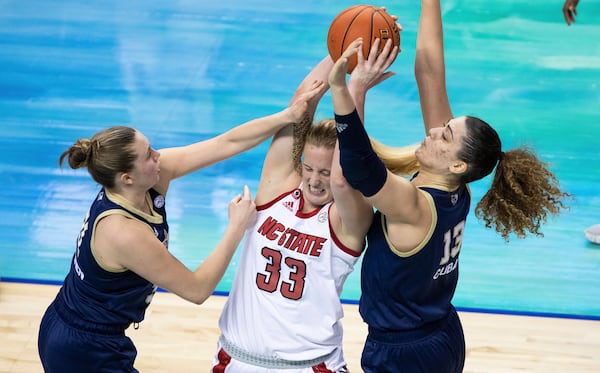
(399, 160)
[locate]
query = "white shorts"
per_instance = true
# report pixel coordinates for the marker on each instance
(224, 363)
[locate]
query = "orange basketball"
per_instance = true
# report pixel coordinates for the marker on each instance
(366, 21)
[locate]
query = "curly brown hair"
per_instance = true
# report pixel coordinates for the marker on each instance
(522, 195)
(523, 192)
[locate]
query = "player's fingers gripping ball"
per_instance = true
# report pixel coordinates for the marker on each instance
(366, 21)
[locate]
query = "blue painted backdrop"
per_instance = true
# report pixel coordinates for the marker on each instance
(184, 71)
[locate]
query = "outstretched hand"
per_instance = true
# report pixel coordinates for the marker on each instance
(307, 99)
(343, 102)
(367, 73)
(242, 210)
(337, 75)
(570, 11)
(372, 71)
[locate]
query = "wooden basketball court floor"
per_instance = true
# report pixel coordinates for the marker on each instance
(178, 336)
(70, 67)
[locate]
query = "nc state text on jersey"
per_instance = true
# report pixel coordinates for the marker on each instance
(291, 239)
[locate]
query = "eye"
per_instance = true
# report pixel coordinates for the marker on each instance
(442, 132)
(447, 134)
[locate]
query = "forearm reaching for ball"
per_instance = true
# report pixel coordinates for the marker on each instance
(361, 166)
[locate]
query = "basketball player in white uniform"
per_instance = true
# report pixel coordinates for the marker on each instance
(284, 311)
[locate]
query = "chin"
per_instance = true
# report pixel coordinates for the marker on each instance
(320, 201)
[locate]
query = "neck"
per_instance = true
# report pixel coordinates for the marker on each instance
(442, 181)
(135, 198)
(308, 207)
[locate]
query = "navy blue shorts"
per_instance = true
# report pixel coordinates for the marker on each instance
(64, 347)
(437, 349)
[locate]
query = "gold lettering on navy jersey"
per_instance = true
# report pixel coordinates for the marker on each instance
(291, 239)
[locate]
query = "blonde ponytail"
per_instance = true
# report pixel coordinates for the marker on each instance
(399, 160)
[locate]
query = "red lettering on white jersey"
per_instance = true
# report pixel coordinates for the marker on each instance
(291, 239)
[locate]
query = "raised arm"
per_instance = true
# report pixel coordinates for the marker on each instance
(280, 167)
(430, 69)
(352, 214)
(365, 172)
(361, 166)
(180, 161)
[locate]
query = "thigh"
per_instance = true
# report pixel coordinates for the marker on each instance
(63, 348)
(441, 352)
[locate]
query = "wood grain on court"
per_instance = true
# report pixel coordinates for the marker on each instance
(178, 336)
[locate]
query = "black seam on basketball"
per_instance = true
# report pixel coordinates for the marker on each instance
(349, 27)
(373, 13)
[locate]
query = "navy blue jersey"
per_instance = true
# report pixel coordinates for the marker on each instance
(406, 291)
(95, 295)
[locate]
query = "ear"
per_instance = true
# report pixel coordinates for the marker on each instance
(125, 178)
(458, 167)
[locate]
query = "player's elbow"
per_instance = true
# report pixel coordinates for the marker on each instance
(428, 69)
(339, 182)
(199, 298)
(197, 293)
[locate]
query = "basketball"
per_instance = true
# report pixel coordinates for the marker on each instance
(366, 21)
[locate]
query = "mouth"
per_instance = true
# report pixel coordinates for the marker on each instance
(315, 190)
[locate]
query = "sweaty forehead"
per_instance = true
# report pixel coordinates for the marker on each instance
(141, 143)
(456, 126)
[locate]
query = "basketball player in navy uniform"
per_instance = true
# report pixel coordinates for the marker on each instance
(121, 253)
(410, 267)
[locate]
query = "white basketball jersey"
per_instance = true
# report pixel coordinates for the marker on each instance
(285, 299)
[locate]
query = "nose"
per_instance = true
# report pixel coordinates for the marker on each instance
(315, 179)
